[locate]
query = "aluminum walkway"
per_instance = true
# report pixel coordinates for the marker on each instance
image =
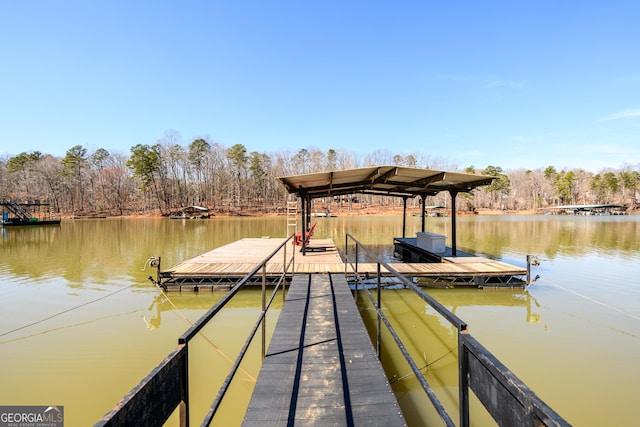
(321, 368)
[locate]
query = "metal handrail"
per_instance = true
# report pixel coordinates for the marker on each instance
(478, 369)
(191, 332)
(453, 319)
(150, 392)
(200, 323)
(225, 386)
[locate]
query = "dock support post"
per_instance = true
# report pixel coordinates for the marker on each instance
(305, 201)
(306, 211)
(453, 193)
(423, 197)
(404, 217)
(531, 260)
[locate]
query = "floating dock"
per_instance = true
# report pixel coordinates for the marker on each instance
(223, 266)
(26, 212)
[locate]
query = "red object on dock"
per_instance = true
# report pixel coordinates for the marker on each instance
(297, 239)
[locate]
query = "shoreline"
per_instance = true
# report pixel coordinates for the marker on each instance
(338, 212)
(355, 211)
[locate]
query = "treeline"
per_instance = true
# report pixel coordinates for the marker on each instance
(168, 175)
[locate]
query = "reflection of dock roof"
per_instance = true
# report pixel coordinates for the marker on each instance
(391, 180)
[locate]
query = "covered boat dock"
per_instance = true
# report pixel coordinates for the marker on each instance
(595, 209)
(395, 181)
(424, 257)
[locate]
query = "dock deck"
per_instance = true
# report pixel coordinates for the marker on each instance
(321, 368)
(235, 260)
(217, 269)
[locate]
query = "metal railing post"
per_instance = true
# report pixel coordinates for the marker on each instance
(356, 267)
(346, 252)
(293, 261)
(284, 272)
(264, 309)
(379, 337)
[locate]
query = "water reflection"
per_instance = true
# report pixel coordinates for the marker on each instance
(432, 342)
(89, 251)
(198, 303)
(156, 317)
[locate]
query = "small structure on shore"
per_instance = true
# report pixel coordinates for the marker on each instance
(191, 212)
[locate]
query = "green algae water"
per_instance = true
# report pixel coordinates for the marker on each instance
(81, 324)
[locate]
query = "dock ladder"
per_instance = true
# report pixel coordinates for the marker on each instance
(292, 217)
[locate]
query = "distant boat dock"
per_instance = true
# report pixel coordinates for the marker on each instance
(26, 212)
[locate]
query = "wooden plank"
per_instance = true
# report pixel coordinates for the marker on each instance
(320, 370)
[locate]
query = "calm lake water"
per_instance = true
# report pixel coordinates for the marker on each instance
(80, 323)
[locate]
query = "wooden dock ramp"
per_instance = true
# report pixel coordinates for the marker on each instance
(321, 368)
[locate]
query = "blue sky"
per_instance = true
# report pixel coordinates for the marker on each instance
(516, 84)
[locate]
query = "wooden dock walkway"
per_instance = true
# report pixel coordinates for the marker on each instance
(321, 368)
(218, 268)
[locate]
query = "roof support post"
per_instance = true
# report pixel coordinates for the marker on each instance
(454, 193)
(423, 198)
(305, 237)
(404, 217)
(304, 198)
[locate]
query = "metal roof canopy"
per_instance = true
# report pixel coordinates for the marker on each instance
(394, 181)
(391, 180)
